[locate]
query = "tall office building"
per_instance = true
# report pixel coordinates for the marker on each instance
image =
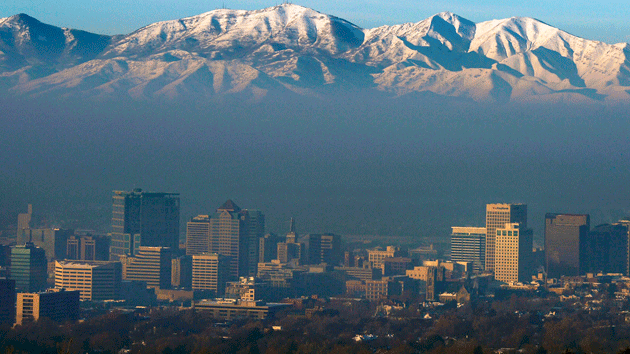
(29, 268)
(228, 237)
(88, 248)
(96, 280)
(513, 253)
(566, 244)
(255, 228)
(5, 256)
(324, 248)
(7, 301)
(151, 265)
(73, 248)
(608, 249)
(143, 219)
(268, 248)
(468, 244)
(497, 215)
(210, 271)
(626, 223)
(181, 272)
(232, 231)
(24, 220)
(198, 235)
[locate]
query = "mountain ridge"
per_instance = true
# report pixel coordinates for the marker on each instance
(294, 48)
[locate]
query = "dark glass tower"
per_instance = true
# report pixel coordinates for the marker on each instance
(7, 301)
(255, 229)
(29, 268)
(566, 245)
(143, 219)
(324, 248)
(608, 249)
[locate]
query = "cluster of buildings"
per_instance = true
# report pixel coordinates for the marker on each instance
(231, 266)
(504, 247)
(141, 260)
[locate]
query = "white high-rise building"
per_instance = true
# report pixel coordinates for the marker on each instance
(497, 215)
(513, 253)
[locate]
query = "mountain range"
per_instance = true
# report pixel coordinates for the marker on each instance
(290, 49)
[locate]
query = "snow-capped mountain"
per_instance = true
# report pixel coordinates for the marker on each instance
(25, 41)
(293, 48)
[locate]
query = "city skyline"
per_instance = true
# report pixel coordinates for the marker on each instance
(446, 187)
(587, 19)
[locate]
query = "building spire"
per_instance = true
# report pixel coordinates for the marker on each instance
(292, 236)
(292, 226)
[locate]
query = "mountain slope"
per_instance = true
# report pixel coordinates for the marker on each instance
(24, 41)
(289, 47)
(228, 34)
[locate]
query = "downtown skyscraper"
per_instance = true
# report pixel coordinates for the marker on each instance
(231, 232)
(143, 219)
(497, 215)
(513, 257)
(566, 244)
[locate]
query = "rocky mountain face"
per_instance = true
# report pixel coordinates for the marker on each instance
(292, 49)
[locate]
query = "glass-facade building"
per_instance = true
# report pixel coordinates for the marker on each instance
(29, 268)
(143, 219)
(566, 244)
(468, 244)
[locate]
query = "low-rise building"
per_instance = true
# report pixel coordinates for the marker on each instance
(247, 289)
(381, 289)
(377, 255)
(57, 305)
(232, 309)
(362, 273)
(95, 280)
(396, 265)
(210, 271)
(151, 265)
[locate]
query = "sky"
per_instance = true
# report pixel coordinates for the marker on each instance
(605, 21)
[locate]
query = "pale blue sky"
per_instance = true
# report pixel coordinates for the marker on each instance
(605, 21)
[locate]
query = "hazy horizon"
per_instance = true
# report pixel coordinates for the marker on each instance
(410, 166)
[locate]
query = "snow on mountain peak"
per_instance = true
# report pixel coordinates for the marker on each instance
(464, 27)
(211, 33)
(299, 49)
(500, 39)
